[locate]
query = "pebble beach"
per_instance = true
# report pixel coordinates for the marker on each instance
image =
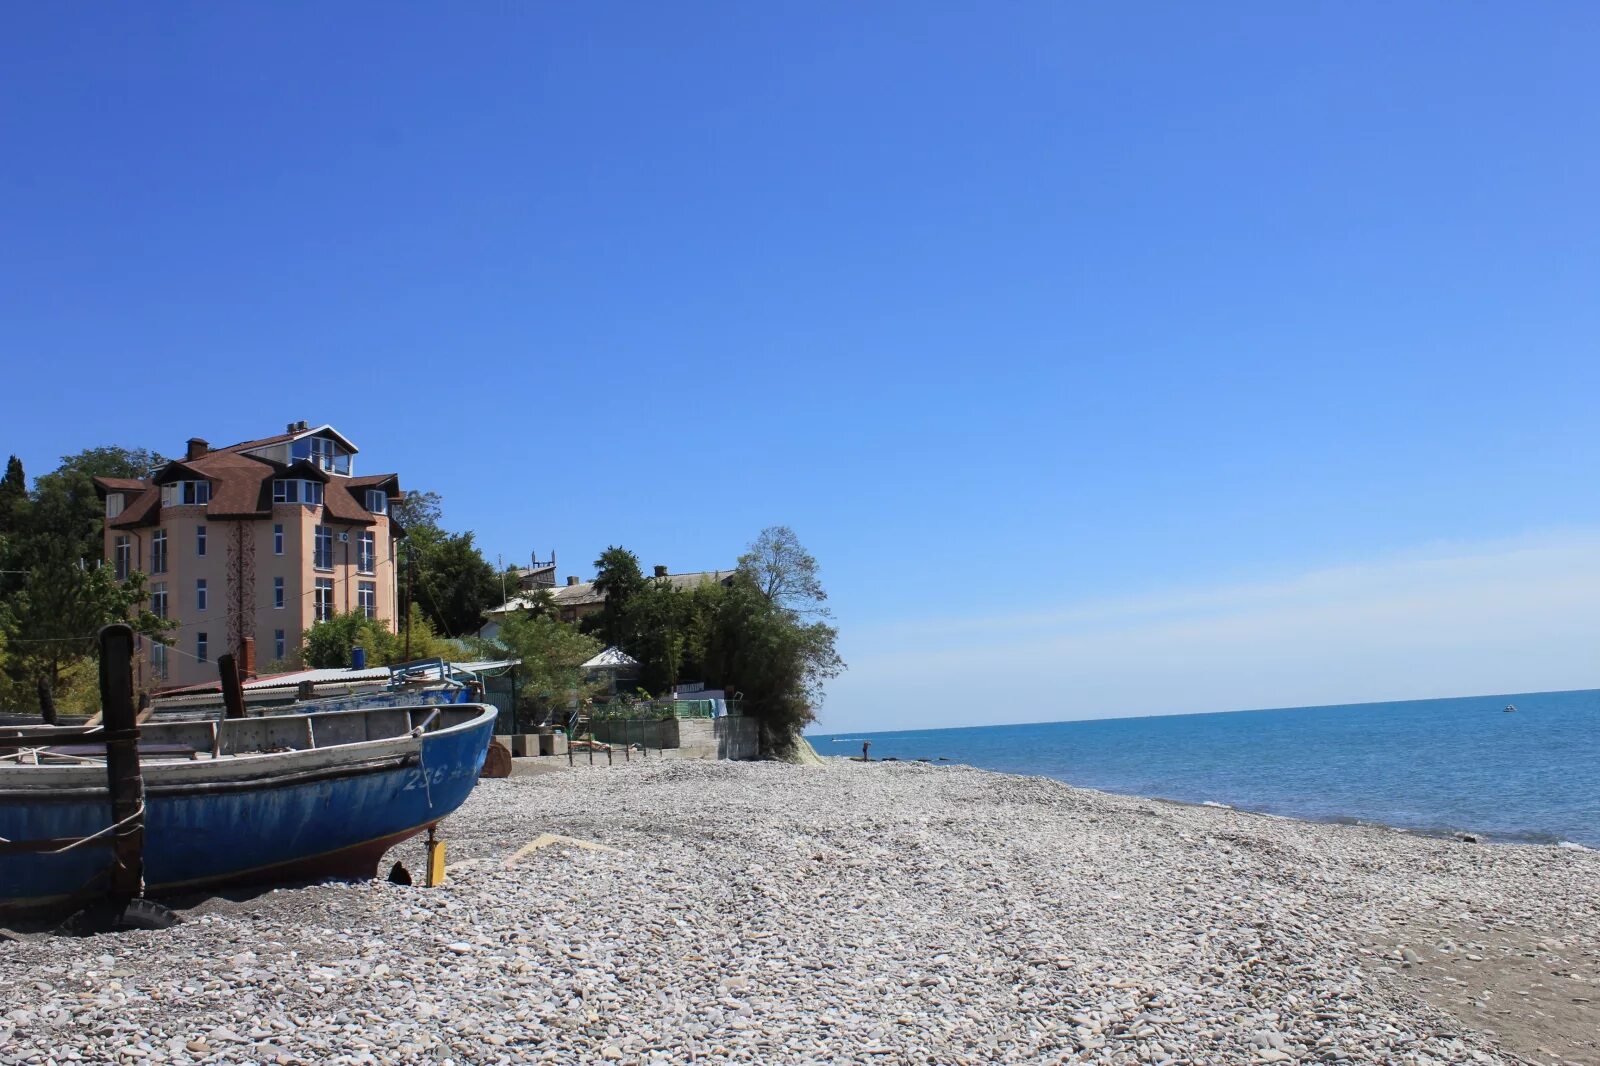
(851, 912)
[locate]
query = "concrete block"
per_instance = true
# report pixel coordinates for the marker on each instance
(524, 745)
(552, 743)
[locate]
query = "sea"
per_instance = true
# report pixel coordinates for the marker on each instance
(1460, 765)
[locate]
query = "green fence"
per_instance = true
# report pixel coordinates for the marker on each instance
(654, 710)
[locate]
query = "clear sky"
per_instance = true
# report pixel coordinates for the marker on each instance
(1111, 358)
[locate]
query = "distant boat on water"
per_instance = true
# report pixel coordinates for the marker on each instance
(1511, 708)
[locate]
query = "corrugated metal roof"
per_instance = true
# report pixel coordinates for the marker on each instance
(324, 676)
(483, 666)
(336, 675)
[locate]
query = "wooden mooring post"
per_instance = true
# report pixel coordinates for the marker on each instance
(123, 776)
(232, 687)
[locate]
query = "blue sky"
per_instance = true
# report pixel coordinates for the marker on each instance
(1015, 312)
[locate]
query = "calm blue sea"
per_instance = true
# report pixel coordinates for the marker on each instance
(1431, 765)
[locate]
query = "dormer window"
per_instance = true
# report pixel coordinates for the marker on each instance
(186, 492)
(324, 453)
(115, 501)
(377, 501)
(293, 490)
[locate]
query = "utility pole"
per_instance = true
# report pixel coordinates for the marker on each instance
(411, 583)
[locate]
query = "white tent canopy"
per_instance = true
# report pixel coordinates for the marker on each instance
(611, 659)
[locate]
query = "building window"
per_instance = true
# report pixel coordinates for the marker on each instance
(366, 553)
(200, 594)
(279, 648)
(200, 646)
(322, 548)
(367, 598)
(186, 492)
(158, 552)
(322, 452)
(277, 593)
(122, 557)
(158, 659)
(199, 540)
(324, 600)
(277, 539)
(377, 501)
(158, 599)
(114, 504)
(289, 490)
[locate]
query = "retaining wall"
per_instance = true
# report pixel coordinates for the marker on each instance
(688, 738)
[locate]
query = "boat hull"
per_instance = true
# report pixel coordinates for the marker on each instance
(321, 813)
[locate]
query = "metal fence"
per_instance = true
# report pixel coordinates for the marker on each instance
(653, 710)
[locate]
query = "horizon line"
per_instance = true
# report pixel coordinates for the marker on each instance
(1195, 714)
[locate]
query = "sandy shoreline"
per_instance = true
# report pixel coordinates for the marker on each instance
(897, 912)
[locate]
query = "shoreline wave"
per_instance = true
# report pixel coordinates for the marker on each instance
(1523, 838)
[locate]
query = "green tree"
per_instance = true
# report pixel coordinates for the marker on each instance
(417, 510)
(56, 592)
(618, 578)
(417, 639)
(656, 623)
(766, 653)
(785, 572)
(551, 675)
(456, 584)
(14, 514)
(13, 494)
(52, 622)
(763, 635)
(328, 644)
(443, 573)
(66, 511)
(540, 602)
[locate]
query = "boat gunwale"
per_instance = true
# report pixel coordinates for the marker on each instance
(21, 781)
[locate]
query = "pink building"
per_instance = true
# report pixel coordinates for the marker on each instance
(259, 539)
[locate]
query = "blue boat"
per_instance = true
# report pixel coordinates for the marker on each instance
(233, 802)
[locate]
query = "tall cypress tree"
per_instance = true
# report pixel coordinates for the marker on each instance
(13, 493)
(13, 524)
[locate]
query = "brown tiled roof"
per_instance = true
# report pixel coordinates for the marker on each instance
(241, 485)
(357, 487)
(246, 445)
(142, 510)
(279, 438)
(301, 468)
(119, 484)
(339, 502)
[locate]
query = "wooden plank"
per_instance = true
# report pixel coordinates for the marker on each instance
(545, 840)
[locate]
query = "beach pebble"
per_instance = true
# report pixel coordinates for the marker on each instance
(883, 912)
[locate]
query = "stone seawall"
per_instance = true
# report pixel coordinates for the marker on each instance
(687, 738)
